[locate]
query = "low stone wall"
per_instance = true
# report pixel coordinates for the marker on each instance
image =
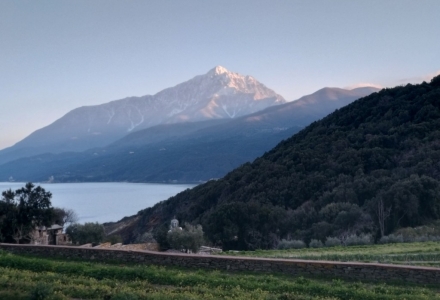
(143, 246)
(356, 271)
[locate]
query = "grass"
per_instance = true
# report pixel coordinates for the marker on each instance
(422, 254)
(23, 277)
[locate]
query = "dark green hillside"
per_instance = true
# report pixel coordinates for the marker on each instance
(330, 179)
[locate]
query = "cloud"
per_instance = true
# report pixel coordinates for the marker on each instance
(392, 83)
(419, 79)
(363, 84)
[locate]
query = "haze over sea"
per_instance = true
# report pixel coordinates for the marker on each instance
(105, 201)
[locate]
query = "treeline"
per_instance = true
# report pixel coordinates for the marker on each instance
(371, 167)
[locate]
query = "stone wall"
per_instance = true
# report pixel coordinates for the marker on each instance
(143, 246)
(356, 271)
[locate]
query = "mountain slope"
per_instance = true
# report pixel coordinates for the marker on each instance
(298, 113)
(219, 94)
(185, 152)
(380, 153)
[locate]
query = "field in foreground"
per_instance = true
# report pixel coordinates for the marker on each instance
(418, 254)
(23, 277)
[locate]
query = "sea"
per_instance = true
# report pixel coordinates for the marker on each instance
(105, 202)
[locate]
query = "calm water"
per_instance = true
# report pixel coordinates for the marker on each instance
(104, 202)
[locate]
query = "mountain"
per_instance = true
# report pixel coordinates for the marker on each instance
(187, 151)
(298, 113)
(369, 167)
(219, 94)
(275, 119)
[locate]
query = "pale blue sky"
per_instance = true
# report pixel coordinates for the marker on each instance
(57, 55)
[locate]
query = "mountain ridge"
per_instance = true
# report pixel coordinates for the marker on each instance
(215, 95)
(183, 152)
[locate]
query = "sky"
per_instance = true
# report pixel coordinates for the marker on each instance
(58, 55)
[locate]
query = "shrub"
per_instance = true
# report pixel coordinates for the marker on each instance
(426, 238)
(363, 239)
(293, 244)
(332, 242)
(429, 232)
(88, 233)
(113, 239)
(124, 296)
(315, 244)
(147, 237)
(303, 281)
(390, 239)
(40, 292)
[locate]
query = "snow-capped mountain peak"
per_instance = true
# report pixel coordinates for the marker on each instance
(218, 94)
(218, 70)
(231, 82)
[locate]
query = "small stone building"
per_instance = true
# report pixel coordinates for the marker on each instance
(52, 235)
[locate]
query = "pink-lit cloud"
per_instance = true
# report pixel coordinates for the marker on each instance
(402, 81)
(363, 84)
(419, 79)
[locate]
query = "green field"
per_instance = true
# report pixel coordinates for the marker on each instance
(23, 277)
(419, 254)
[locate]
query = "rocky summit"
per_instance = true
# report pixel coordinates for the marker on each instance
(218, 94)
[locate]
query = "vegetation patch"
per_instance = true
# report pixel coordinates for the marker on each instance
(27, 277)
(419, 254)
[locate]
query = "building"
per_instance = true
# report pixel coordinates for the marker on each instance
(52, 235)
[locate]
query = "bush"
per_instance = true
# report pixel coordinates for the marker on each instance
(40, 292)
(429, 232)
(332, 242)
(88, 233)
(124, 296)
(390, 239)
(363, 239)
(426, 238)
(315, 244)
(294, 244)
(147, 237)
(113, 239)
(409, 235)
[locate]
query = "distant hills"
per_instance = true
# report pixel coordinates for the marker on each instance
(333, 178)
(218, 94)
(186, 151)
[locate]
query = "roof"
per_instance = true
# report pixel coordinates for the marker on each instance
(55, 227)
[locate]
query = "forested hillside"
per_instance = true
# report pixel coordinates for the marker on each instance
(370, 167)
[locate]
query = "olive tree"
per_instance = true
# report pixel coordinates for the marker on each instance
(188, 238)
(86, 233)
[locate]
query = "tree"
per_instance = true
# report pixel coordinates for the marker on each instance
(88, 233)
(8, 212)
(161, 236)
(190, 238)
(23, 210)
(63, 216)
(34, 205)
(382, 214)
